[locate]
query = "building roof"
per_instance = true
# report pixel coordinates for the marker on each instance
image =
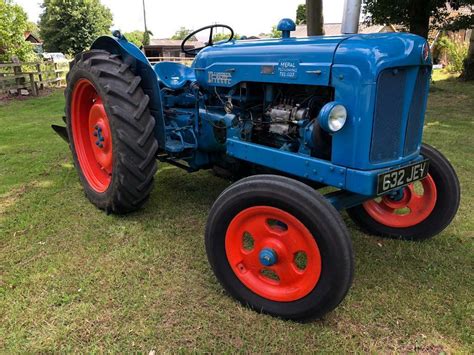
(174, 43)
(31, 37)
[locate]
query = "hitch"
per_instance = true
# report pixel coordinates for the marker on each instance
(61, 131)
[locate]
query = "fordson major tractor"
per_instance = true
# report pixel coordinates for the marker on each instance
(287, 116)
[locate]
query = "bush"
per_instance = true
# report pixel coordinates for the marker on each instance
(455, 53)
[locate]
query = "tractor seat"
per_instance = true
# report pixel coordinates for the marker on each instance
(173, 75)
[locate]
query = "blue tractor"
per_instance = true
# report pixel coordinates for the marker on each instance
(285, 117)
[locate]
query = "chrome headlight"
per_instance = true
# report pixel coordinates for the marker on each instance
(332, 117)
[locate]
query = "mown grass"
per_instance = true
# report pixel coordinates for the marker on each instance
(73, 278)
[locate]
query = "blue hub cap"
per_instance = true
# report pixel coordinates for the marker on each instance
(100, 137)
(268, 257)
(396, 195)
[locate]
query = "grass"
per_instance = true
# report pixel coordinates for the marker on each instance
(75, 279)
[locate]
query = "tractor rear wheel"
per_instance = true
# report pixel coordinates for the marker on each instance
(280, 247)
(110, 132)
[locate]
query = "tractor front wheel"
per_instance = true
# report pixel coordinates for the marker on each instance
(110, 132)
(421, 210)
(279, 247)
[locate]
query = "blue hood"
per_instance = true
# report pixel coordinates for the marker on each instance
(292, 60)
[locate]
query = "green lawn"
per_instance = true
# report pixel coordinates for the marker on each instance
(73, 278)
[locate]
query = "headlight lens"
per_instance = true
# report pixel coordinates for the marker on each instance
(337, 118)
(332, 117)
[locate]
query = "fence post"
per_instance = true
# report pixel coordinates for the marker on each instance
(40, 76)
(34, 89)
(17, 71)
(58, 78)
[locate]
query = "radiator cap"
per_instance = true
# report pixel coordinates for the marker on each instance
(286, 25)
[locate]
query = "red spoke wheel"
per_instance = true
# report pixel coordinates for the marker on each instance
(278, 246)
(110, 132)
(409, 209)
(420, 210)
(270, 266)
(92, 135)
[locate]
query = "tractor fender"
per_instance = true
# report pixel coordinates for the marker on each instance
(140, 66)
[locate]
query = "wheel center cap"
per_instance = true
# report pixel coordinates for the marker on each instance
(99, 136)
(267, 257)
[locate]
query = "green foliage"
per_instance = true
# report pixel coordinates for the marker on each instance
(182, 33)
(301, 14)
(139, 38)
(70, 26)
(13, 25)
(33, 28)
(418, 15)
(275, 33)
(135, 37)
(455, 52)
(224, 36)
(147, 37)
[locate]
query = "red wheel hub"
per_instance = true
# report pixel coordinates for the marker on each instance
(273, 253)
(411, 209)
(91, 135)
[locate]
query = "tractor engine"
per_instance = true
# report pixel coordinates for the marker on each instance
(277, 115)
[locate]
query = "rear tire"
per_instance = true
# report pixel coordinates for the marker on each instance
(281, 216)
(107, 108)
(447, 195)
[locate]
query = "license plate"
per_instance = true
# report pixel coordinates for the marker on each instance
(400, 177)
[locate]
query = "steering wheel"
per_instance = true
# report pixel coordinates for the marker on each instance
(195, 51)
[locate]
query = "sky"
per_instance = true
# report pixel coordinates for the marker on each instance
(165, 17)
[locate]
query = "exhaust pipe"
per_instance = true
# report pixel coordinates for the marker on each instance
(350, 17)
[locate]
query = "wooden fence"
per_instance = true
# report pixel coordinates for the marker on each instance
(184, 60)
(32, 76)
(35, 76)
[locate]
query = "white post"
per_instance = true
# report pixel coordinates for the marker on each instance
(350, 17)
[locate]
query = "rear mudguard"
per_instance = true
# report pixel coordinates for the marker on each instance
(140, 66)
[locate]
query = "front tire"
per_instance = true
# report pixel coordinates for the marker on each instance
(110, 132)
(279, 247)
(415, 216)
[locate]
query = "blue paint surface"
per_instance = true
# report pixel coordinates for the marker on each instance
(381, 79)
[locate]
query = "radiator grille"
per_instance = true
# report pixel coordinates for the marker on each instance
(392, 122)
(416, 114)
(386, 131)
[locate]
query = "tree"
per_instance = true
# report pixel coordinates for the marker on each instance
(224, 36)
(147, 37)
(33, 28)
(275, 33)
(70, 26)
(468, 70)
(13, 25)
(135, 37)
(182, 33)
(301, 14)
(418, 15)
(139, 38)
(314, 17)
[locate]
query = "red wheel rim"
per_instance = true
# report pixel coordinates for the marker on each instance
(409, 210)
(276, 230)
(91, 135)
